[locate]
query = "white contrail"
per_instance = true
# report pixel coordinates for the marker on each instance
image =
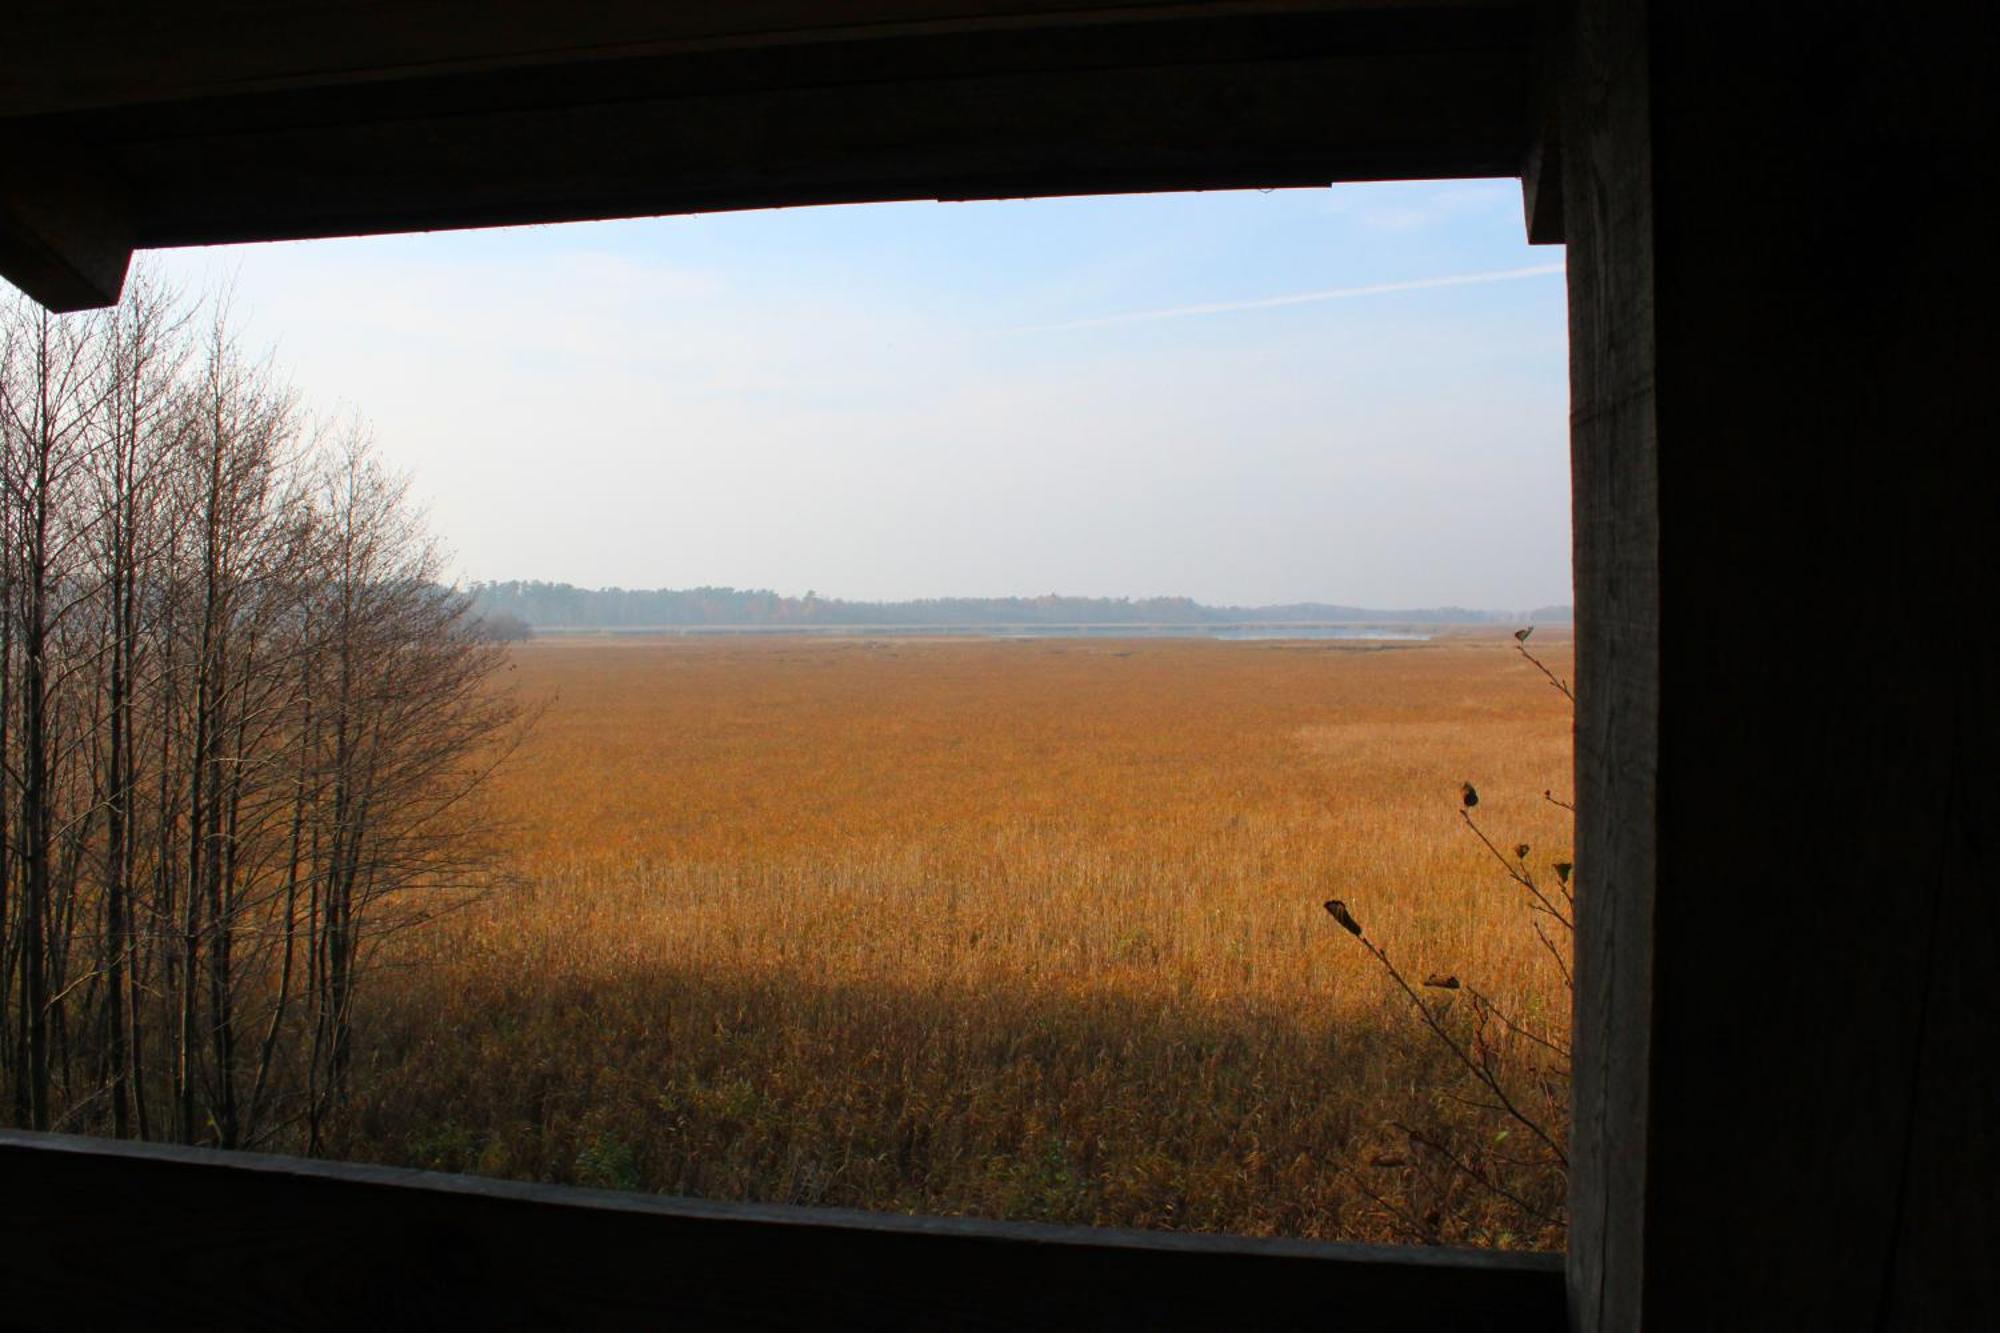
(1303, 298)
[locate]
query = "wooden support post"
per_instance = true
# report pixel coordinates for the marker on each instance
(1616, 534)
(1783, 341)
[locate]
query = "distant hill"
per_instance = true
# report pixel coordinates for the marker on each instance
(549, 606)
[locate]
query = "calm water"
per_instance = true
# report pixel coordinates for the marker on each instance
(1409, 633)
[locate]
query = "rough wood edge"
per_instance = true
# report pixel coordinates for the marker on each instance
(257, 1241)
(16, 1142)
(66, 238)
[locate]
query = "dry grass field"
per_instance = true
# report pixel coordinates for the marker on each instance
(1023, 929)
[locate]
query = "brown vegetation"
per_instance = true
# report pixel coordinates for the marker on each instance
(1024, 929)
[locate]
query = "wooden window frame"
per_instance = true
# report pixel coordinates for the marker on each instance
(1212, 95)
(1711, 164)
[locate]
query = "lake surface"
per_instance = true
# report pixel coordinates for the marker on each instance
(1246, 631)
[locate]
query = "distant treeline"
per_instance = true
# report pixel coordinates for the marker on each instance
(564, 606)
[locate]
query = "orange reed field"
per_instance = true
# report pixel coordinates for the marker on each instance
(1022, 929)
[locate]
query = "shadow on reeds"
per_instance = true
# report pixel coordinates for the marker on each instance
(1089, 1106)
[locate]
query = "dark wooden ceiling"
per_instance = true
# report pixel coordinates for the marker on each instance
(129, 124)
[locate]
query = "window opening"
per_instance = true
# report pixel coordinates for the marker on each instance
(905, 707)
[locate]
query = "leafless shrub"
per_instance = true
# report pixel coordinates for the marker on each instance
(1486, 1161)
(242, 718)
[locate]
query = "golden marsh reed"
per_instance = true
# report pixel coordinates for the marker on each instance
(1024, 929)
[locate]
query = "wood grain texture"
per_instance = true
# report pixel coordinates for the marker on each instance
(1616, 528)
(1786, 714)
(243, 1241)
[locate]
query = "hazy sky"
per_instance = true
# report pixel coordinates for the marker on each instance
(1352, 395)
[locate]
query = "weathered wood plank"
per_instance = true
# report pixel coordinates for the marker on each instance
(1205, 96)
(1824, 1091)
(1279, 122)
(1616, 526)
(71, 55)
(1783, 343)
(98, 1235)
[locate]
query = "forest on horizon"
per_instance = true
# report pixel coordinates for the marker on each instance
(544, 605)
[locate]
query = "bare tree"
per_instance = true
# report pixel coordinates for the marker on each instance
(243, 719)
(49, 410)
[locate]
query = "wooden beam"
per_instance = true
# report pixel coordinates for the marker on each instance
(77, 55)
(1201, 96)
(1541, 165)
(1007, 134)
(240, 1240)
(1542, 187)
(66, 234)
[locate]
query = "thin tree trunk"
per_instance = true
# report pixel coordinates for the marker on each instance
(35, 794)
(292, 866)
